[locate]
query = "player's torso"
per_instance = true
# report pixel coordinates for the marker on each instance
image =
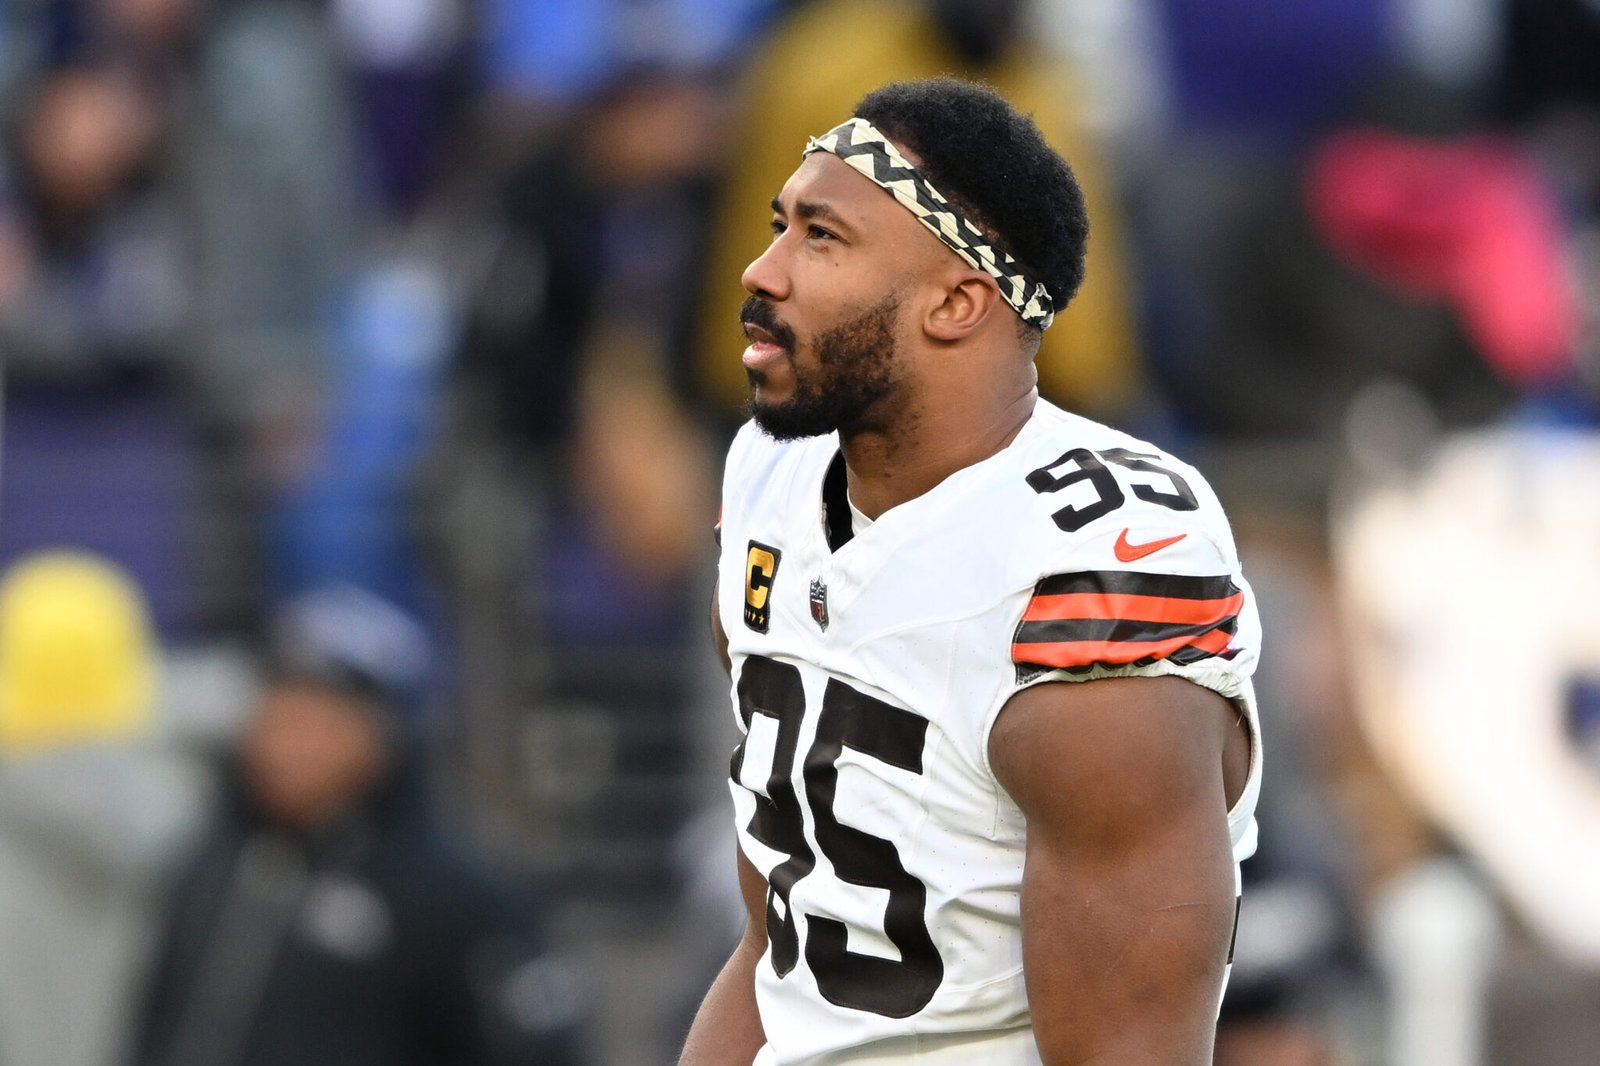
(866, 679)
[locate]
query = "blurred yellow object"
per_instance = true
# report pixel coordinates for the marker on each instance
(76, 658)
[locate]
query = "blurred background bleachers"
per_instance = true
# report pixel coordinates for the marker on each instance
(437, 298)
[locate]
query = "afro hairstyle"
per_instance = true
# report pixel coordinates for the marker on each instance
(994, 166)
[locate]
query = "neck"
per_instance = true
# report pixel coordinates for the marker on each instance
(887, 467)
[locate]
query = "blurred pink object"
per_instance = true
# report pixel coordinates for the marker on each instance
(1471, 222)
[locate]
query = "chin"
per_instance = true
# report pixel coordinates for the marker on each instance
(785, 422)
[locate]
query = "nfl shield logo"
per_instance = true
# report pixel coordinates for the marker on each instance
(819, 602)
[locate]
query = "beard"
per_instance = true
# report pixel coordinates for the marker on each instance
(855, 370)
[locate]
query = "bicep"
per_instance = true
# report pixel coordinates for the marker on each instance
(1128, 894)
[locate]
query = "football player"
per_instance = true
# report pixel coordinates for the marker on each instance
(991, 660)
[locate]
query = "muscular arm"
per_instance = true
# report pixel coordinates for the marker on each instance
(1128, 887)
(727, 1030)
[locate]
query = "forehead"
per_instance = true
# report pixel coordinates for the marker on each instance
(825, 181)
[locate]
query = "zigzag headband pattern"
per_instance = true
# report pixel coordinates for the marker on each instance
(859, 144)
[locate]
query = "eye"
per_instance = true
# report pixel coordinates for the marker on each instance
(778, 226)
(818, 233)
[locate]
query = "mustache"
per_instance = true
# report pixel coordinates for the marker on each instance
(758, 312)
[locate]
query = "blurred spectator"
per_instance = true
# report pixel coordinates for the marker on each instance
(1404, 246)
(580, 336)
(1469, 223)
(330, 917)
(101, 277)
(571, 398)
(1263, 331)
(95, 802)
(814, 69)
(105, 404)
(1491, 764)
(1269, 321)
(575, 481)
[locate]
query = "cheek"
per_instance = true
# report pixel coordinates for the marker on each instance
(813, 366)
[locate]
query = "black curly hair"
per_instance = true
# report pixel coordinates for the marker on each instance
(994, 166)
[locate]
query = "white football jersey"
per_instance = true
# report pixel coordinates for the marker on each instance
(866, 680)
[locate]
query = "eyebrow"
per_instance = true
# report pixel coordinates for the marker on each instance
(810, 210)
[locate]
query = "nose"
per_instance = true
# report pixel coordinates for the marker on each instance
(765, 275)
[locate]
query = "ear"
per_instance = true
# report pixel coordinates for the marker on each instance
(968, 301)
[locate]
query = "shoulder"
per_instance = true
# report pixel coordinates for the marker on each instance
(1092, 497)
(1127, 553)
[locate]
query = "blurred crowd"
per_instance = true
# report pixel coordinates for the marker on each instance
(364, 371)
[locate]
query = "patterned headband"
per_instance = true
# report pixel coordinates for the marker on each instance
(859, 144)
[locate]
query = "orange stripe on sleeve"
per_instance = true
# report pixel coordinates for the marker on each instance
(1082, 653)
(1122, 605)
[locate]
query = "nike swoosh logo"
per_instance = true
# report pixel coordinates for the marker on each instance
(1130, 553)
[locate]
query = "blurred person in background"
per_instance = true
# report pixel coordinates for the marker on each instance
(181, 210)
(96, 803)
(609, 116)
(110, 398)
(330, 916)
(1490, 923)
(93, 237)
(1263, 326)
(1350, 251)
(1382, 211)
(94, 297)
(575, 480)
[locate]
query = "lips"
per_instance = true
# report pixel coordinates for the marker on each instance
(759, 335)
(771, 342)
(762, 353)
